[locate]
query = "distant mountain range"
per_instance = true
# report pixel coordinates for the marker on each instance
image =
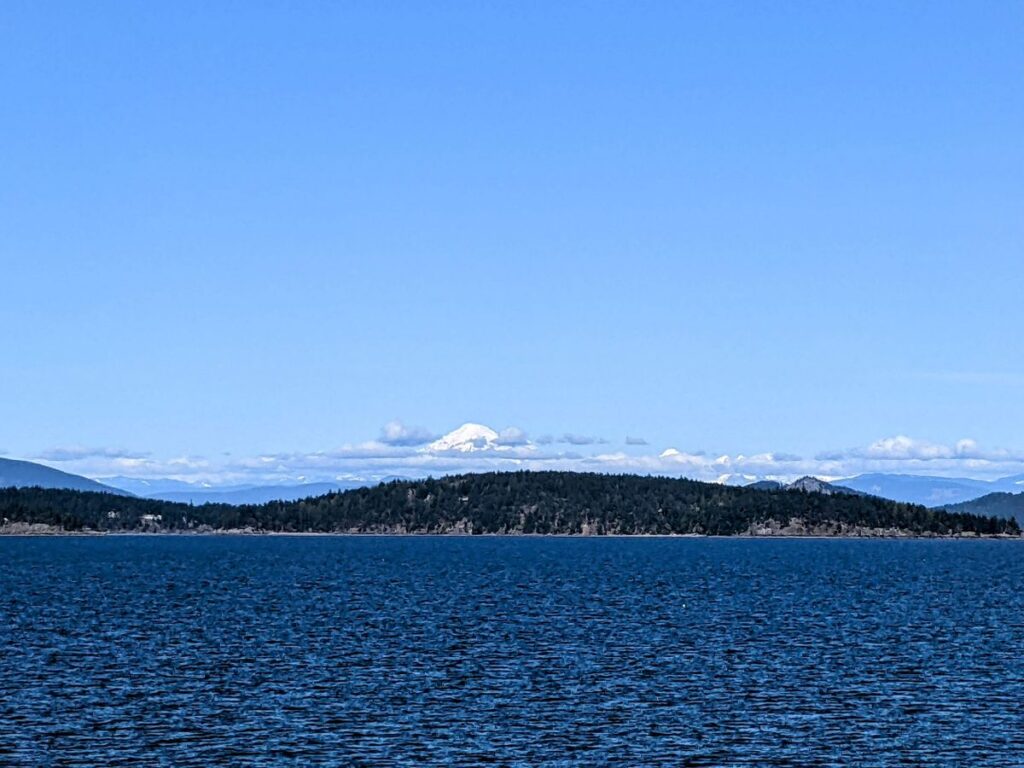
(193, 493)
(913, 489)
(931, 491)
(151, 486)
(947, 492)
(27, 474)
(252, 494)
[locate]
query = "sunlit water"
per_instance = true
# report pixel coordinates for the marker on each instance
(199, 651)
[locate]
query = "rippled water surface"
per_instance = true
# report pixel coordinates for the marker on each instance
(351, 651)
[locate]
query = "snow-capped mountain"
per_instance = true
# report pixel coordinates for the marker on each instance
(467, 438)
(735, 478)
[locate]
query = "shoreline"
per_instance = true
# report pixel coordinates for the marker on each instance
(37, 531)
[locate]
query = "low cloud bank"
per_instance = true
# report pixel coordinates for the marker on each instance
(406, 451)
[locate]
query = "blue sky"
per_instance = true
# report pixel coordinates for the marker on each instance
(240, 230)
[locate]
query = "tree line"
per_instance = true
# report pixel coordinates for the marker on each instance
(504, 502)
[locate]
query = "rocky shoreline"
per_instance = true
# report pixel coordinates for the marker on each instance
(794, 529)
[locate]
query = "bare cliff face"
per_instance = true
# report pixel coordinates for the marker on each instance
(29, 529)
(796, 528)
(806, 484)
(814, 485)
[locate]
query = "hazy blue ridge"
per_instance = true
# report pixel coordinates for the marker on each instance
(27, 474)
(254, 494)
(919, 489)
(1008, 505)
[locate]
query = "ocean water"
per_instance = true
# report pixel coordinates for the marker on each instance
(410, 651)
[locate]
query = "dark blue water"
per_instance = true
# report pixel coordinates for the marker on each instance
(350, 651)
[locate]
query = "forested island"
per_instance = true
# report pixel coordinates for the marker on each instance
(565, 503)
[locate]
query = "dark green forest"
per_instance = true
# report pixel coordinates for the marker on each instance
(506, 502)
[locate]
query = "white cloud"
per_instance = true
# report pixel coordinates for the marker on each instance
(78, 452)
(512, 436)
(574, 439)
(397, 433)
(475, 448)
(903, 449)
(101, 465)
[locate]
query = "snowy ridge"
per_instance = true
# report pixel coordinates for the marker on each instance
(469, 437)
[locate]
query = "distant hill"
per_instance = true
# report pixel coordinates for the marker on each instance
(766, 485)
(254, 494)
(513, 503)
(26, 474)
(1009, 505)
(929, 491)
(166, 489)
(1013, 484)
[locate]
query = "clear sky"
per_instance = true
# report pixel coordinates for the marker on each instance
(271, 228)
